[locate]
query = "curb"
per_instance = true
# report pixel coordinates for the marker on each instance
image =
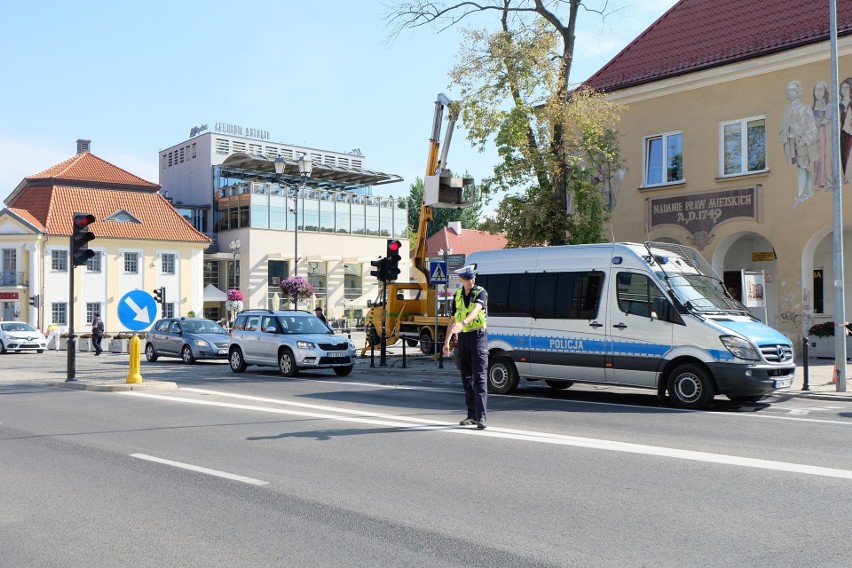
(115, 387)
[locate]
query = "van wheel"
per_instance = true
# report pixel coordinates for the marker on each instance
(150, 354)
(690, 387)
(342, 371)
(236, 361)
(411, 342)
(559, 385)
(502, 375)
(287, 363)
(426, 343)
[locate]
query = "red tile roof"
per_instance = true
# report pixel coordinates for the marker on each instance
(468, 241)
(92, 171)
(699, 34)
(53, 207)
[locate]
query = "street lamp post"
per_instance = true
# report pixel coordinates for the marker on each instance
(306, 165)
(235, 249)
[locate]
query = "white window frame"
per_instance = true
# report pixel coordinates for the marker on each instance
(59, 313)
(743, 122)
(663, 136)
(94, 264)
(135, 262)
(167, 262)
(59, 260)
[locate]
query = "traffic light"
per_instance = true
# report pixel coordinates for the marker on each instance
(393, 258)
(160, 295)
(381, 271)
(81, 235)
(34, 301)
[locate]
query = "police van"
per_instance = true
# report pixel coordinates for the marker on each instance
(651, 316)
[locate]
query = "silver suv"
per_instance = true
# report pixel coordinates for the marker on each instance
(292, 340)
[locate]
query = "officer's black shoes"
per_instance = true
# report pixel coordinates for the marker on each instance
(481, 425)
(467, 422)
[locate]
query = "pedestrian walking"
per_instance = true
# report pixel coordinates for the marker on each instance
(320, 315)
(97, 333)
(468, 322)
(53, 333)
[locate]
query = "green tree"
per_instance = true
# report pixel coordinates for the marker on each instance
(469, 216)
(556, 145)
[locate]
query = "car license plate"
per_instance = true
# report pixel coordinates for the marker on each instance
(783, 383)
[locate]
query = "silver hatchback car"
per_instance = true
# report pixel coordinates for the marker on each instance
(291, 340)
(188, 338)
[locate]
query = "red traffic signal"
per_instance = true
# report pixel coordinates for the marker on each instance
(394, 248)
(81, 235)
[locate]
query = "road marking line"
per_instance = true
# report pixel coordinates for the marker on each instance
(418, 424)
(200, 469)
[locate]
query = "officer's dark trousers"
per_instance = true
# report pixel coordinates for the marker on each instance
(473, 360)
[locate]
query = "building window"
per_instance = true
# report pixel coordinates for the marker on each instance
(168, 262)
(94, 264)
(317, 278)
(131, 262)
(664, 159)
(819, 305)
(169, 310)
(92, 308)
(352, 281)
(59, 313)
(10, 267)
(59, 260)
(211, 273)
(743, 146)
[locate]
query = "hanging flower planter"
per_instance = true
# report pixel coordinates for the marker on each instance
(234, 303)
(296, 288)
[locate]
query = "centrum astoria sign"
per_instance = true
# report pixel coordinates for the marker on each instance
(700, 213)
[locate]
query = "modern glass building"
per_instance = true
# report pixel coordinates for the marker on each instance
(223, 181)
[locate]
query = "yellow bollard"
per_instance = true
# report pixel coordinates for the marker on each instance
(133, 375)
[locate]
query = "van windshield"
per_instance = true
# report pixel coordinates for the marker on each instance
(701, 293)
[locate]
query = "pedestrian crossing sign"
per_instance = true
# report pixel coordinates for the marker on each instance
(437, 272)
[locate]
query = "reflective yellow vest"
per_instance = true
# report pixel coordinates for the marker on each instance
(462, 311)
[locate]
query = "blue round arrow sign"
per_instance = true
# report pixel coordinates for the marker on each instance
(137, 310)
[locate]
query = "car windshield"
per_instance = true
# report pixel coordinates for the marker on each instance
(702, 294)
(203, 326)
(303, 324)
(16, 326)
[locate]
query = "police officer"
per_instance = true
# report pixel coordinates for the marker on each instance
(468, 322)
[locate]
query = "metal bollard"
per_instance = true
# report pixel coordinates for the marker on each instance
(133, 375)
(805, 385)
(403, 352)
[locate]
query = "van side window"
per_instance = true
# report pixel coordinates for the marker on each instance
(635, 292)
(567, 295)
(509, 294)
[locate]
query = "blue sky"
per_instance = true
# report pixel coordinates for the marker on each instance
(135, 77)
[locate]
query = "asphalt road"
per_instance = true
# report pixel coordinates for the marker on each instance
(373, 470)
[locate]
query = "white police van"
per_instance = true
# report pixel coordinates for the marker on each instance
(652, 316)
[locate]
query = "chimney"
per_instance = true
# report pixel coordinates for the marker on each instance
(83, 145)
(455, 226)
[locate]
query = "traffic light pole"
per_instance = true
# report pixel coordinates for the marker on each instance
(71, 371)
(382, 354)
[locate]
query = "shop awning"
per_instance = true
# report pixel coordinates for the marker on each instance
(214, 294)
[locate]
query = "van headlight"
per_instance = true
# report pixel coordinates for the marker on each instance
(740, 348)
(305, 345)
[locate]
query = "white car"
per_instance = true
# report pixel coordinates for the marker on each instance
(20, 336)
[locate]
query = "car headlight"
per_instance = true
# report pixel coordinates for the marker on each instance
(305, 345)
(201, 343)
(740, 348)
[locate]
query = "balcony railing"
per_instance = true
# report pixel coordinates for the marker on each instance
(12, 278)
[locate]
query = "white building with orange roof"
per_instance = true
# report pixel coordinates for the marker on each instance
(141, 242)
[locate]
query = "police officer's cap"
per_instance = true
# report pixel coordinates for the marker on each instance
(467, 272)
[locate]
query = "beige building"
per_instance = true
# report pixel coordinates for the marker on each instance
(726, 142)
(141, 243)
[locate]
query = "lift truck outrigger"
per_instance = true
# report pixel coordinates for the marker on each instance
(407, 310)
